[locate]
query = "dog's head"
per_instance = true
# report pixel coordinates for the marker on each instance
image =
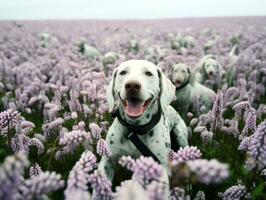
(211, 68)
(138, 84)
(181, 74)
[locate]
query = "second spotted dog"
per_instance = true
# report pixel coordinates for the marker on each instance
(191, 96)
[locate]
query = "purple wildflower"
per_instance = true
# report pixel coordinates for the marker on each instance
(127, 162)
(208, 172)
(206, 136)
(11, 175)
(8, 119)
(95, 131)
(42, 184)
(145, 168)
(258, 144)
(78, 176)
(101, 186)
(35, 170)
(245, 144)
(158, 190)
(217, 111)
(250, 123)
(37, 143)
(130, 190)
(235, 192)
(71, 140)
(102, 148)
(185, 154)
(240, 108)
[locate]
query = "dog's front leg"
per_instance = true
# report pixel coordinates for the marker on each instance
(179, 129)
(106, 167)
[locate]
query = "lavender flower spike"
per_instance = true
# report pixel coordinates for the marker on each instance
(235, 192)
(258, 145)
(101, 186)
(208, 171)
(102, 148)
(130, 190)
(78, 177)
(217, 110)
(185, 154)
(11, 175)
(40, 185)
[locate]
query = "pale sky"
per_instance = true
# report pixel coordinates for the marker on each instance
(125, 9)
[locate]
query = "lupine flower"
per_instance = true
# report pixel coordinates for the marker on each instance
(71, 140)
(200, 129)
(35, 170)
(258, 144)
(217, 110)
(48, 128)
(11, 175)
(145, 168)
(44, 183)
(27, 124)
(37, 143)
(208, 171)
(78, 176)
(232, 129)
(158, 190)
(185, 154)
(240, 108)
(250, 123)
(101, 186)
(127, 162)
(95, 131)
(102, 148)
(235, 192)
(245, 144)
(231, 94)
(8, 119)
(130, 190)
(193, 122)
(20, 142)
(206, 136)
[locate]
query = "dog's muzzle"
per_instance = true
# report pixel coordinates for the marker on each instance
(133, 104)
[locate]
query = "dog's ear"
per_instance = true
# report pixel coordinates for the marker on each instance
(110, 93)
(167, 90)
(172, 68)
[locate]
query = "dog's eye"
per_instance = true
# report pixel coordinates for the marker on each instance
(183, 71)
(147, 73)
(123, 72)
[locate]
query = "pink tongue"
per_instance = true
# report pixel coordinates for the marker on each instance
(134, 109)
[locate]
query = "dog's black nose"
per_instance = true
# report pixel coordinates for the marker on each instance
(133, 86)
(211, 73)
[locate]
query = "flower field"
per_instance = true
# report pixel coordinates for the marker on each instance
(54, 115)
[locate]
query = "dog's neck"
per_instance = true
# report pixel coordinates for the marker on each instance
(144, 119)
(185, 84)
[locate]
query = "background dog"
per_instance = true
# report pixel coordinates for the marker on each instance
(191, 96)
(210, 72)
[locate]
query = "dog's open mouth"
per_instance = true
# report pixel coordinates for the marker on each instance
(135, 107)
(211, 76)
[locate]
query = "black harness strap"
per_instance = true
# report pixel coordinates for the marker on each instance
(134, 131)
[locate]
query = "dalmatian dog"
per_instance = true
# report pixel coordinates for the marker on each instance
(210, 72)
(191, 96)
(142, 92)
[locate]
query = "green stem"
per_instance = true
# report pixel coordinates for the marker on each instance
(8, 137)
(52, 153)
